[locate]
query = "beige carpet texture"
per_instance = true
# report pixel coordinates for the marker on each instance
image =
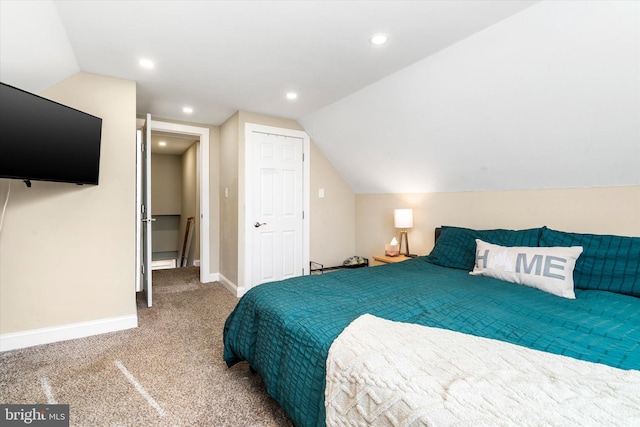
(167, 372)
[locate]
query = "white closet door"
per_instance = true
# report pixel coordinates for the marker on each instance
(277, 207)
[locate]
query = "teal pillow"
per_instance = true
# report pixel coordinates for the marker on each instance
(456, 247)
(608, 263)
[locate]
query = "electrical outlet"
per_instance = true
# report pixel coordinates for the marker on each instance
(321, 193)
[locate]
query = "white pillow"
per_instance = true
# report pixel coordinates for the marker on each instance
(547, 269)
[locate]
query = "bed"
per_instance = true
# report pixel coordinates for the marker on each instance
(290, 331)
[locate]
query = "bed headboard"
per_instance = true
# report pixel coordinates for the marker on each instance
(437, 234)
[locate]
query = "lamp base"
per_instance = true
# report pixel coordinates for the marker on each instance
(404, 238)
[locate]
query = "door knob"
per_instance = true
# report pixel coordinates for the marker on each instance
(258, 224)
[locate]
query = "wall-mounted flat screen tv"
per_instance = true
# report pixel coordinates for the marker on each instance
(47, 141)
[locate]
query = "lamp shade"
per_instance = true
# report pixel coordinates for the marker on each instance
(403, 218)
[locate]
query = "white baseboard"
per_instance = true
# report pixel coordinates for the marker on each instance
(16, 340)
(212, 277)
(196, 263)
(232, 287)
(163, 264)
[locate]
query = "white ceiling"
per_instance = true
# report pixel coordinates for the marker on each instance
(466, 95)
(219, 57)
(549, 98)
(174, 144)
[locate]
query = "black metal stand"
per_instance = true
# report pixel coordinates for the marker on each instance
(317, 268)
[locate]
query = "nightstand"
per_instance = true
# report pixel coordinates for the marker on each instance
(383, 259)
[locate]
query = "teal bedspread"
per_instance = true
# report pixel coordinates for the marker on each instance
(284, 329)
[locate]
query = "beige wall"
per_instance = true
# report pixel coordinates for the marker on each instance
(188, 201)
(166, 184)
(333, 228)
(67, 252)
(608, 210)
(229, 134)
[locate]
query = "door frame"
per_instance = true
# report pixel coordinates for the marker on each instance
(138, 266)
(203, 182)
(147, 215)
(245, 224)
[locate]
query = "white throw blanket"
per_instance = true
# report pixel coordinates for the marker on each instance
(383, 373)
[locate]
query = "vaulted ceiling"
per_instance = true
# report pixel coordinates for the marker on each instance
(464, 96)
(219, 57)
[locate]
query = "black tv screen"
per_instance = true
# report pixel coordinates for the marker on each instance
(43, 140)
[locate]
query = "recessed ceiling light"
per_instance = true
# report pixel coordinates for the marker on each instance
(146, 63)
(292, 95)
(187, 110)
(162, 144)
(379, 39)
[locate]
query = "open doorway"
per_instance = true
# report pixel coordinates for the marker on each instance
(203, 210)
(144, 243)
(174, 200)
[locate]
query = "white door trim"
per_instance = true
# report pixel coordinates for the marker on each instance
(203, 175)
(147, 215)
(245, 225)
(140, 124)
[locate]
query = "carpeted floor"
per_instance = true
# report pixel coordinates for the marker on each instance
(167, 372)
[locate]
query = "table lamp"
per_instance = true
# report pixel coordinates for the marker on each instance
(403, 219)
